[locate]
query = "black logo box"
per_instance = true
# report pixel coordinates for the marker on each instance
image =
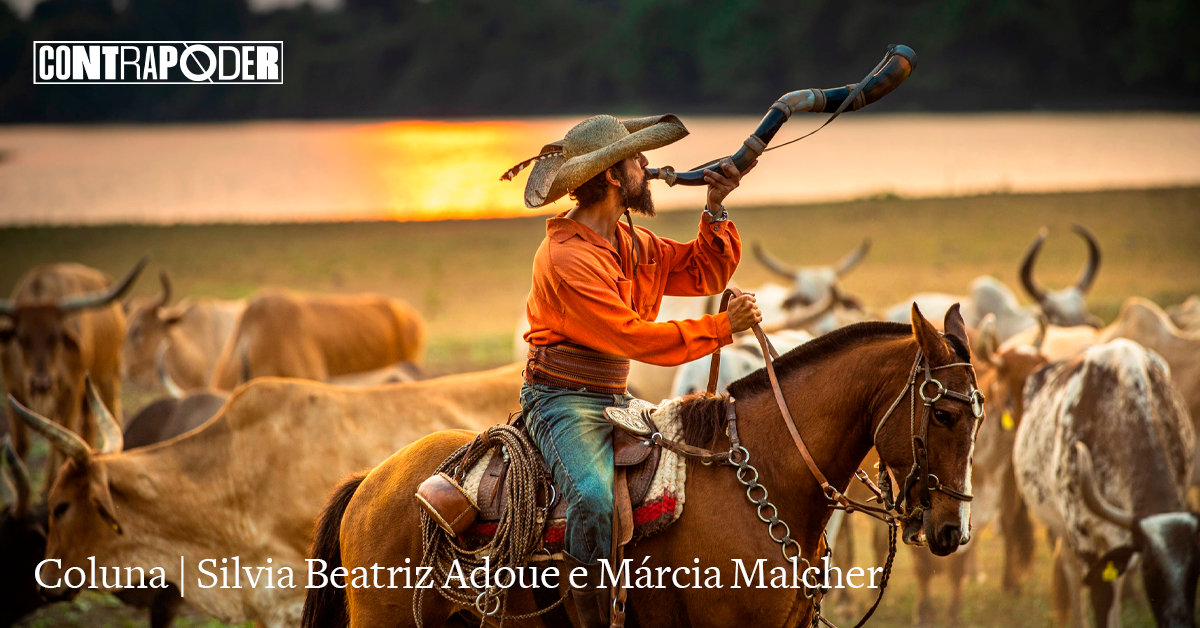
(158, 62)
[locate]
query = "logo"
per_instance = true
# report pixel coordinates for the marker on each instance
(158, 62)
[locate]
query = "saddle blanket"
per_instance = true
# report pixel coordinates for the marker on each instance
(662, 505)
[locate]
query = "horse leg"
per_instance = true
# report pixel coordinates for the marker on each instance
(923, 565)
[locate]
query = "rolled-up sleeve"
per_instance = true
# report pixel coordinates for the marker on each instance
(705, 265)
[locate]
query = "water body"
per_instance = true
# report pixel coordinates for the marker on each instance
(428, 170)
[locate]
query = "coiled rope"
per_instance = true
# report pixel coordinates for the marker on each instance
(518, 533)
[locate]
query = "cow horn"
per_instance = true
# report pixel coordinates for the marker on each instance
(853, 258)
(112, 441)
(66, 441)
(772, 263)
(988, 341)
(1095, 502)
(88, 300)
(1040, 338)
(165, 280)
(20, 476)
(1093, 264)
(160, 362)
(1027, 263)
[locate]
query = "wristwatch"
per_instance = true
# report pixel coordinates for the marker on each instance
(722, 217)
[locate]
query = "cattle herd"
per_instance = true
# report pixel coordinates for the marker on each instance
(267, 403)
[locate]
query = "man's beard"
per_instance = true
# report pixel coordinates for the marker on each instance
(637, 200)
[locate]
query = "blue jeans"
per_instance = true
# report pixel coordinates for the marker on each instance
(570, 430)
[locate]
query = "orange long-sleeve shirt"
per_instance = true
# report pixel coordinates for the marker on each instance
(584, 291)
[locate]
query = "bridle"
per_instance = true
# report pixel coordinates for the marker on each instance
(919, 473)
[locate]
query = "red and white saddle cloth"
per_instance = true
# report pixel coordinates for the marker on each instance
(661, 505)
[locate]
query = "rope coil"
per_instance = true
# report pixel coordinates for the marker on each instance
(518, 533)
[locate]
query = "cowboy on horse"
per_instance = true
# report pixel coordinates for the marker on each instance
(597, 287)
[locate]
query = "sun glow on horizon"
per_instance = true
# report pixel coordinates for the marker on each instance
(434, 170)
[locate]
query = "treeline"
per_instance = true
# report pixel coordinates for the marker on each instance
(438, 58)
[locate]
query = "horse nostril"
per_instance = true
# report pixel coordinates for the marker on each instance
(950, 535)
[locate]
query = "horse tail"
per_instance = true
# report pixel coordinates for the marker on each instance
(325, 607)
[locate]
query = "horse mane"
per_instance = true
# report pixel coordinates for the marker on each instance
(704, 418)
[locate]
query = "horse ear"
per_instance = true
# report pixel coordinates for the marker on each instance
(956, 330)
(928, 338)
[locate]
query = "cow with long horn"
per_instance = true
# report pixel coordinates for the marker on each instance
(186, 337)
(810, 286)
(63, 321)
(1066, 307)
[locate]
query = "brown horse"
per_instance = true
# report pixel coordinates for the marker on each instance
(838, 387)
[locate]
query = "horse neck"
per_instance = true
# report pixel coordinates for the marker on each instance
(836, 401)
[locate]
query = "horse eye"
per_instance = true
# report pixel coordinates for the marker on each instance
(61, 509)
(943, 417)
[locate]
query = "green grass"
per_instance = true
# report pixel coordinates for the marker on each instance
(469, 280)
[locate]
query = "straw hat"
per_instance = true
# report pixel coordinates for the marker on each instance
(590, 148)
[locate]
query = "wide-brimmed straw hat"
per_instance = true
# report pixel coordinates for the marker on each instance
(590, 148)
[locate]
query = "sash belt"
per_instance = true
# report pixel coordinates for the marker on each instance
(574, 367)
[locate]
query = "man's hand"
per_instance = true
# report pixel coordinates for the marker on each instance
(743, 313)
(722, 182)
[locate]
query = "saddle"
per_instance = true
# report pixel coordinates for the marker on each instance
(470, 509)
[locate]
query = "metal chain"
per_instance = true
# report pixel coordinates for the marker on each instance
(740, 457)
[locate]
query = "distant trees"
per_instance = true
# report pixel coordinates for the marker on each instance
(523, 57)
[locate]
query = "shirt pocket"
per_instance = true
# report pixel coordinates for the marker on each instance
(647, 289)
(625, 291)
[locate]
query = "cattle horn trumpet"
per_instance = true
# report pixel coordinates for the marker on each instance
(112, 441)
(891, 71)
(66, 441)
(89, 300)
(20, 476)
(1095, 502)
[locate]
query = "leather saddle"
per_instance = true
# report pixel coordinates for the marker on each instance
(633, 452)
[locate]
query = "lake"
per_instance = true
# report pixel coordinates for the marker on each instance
(425, 170)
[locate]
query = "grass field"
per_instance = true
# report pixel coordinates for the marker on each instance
(469, 280)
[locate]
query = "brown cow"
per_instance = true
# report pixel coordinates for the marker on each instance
(249, 483)
(60, 324)
(194, 332)
(319, 337)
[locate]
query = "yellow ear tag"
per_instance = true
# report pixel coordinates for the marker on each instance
(1007, 422)
(1110, 572)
